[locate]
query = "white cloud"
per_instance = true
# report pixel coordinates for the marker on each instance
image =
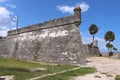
(3, 30)
(84, 6)
(10, 5)
(86, 40)
(65, 9)
(4, 16)
(1, 1)
(5, 21)
(69, 9)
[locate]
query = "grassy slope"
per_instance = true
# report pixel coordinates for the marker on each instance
(69, 75)
(21, 70)
(117, 77)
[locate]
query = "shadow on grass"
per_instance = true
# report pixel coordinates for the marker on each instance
(20, 73)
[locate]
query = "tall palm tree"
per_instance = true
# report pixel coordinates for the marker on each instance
(109, 37)
(93, 29)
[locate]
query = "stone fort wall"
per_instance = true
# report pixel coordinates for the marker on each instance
(55, 41)
(87, 49)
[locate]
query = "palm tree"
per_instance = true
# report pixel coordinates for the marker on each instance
(93, 29)
(109, 46)
(109, 36)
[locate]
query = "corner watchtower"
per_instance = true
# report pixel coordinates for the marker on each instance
(77, 14)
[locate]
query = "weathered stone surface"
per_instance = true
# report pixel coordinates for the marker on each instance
(87, 49)
(2, 47)
(56, 41)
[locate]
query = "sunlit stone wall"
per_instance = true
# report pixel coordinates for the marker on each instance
(55, 41)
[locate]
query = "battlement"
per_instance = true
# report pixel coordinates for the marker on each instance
(73, 19)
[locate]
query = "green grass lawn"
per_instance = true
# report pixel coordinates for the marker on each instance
(117, 77)
(22, 70)
(70, 74)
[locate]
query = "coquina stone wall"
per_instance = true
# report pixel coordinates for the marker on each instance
(87, 49)
(55, 41)
(2, 49)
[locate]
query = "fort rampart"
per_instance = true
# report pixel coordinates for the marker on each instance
(55, 41)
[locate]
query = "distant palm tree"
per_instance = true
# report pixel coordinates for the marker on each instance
(93, 29)
(109, 36)
(109, 46)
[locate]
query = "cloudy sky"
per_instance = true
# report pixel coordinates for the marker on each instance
(104, 13)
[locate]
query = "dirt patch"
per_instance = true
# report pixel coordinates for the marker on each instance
(107, 69)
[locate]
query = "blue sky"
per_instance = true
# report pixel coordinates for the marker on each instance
(104, 13)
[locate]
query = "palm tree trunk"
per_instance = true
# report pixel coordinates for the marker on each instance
(93, 45)
(93, 39)
(108, 47)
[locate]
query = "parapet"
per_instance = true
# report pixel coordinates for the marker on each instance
(73, 19)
